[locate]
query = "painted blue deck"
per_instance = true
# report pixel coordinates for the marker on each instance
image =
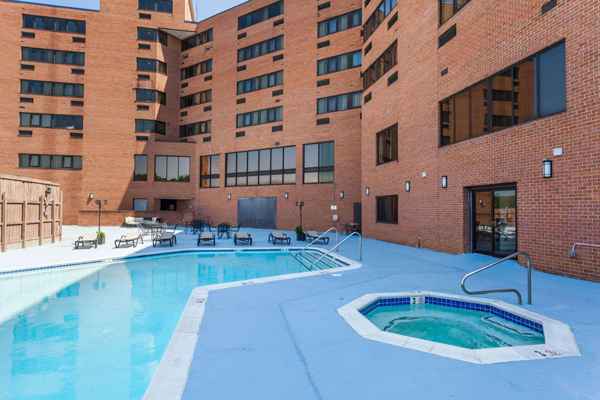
(285, 340)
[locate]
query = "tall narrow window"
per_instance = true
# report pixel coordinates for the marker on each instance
(140, 170)
(387, 209)
(319, 163)
(387, 145)
(210, 171)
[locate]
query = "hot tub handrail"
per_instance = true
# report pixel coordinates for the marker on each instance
(338, 245)
(573, 254)
(503, 290)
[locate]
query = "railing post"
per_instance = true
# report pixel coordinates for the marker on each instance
(528, 280)
(41, 222)
(24, 226)
(359, 248)
(4, 221)
(337, 241)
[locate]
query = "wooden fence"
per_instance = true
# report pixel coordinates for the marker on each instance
(30, 212)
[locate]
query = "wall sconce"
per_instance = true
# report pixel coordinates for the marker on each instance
(286, 195)
(444, 182)
(229, 197)
(408, 186)
(368, 191)
(341, 195)
(91, 195)
(49, 190)
(547, 170)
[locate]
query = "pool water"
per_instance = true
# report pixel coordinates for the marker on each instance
(454, 326)
(100, 332)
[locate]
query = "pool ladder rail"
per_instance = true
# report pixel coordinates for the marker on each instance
(503, 290)
(312, 258)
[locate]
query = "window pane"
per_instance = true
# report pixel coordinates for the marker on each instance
(160, 173)
(326, 155)
(172, 168)
(446, 10)
(311, 177)
(231, 162)
(289, 178)
(265, 160)
(479, 110)
(311, 155)
(289, 154)
(553, 81)
(140, 204)
(447, 116)
(277, 159)
(140, 168)
(502, 104)
(252, 161)
(461, 110)
(524, 81)
(184, 169)
(325, 177)
(215, 164)
(242, 162)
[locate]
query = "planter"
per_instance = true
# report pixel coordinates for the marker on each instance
(301, 237)
(101, 240)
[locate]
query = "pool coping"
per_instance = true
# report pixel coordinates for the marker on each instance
(559, 339)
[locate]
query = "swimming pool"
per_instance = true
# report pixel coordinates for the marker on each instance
(99, 332)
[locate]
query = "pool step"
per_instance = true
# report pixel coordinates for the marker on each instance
(324, 263)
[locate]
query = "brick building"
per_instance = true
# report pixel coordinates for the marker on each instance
(368, 106)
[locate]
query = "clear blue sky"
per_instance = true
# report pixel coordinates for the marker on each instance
(204, 8)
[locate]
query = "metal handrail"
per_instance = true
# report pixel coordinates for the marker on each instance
(572, 253)
(313, 242)
(339, 244)
(503, 290)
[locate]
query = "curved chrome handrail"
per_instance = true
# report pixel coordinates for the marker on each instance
(338, 245)
(502, 290)
(313, 242)
(572, 253)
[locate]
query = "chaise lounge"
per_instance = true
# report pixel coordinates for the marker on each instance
(88, 238)
(278, 236)
(243, 237)
(206, 237)
(313, 236)
(165, 237)
(130, 238)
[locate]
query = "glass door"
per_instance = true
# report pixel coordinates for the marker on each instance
(495, 221)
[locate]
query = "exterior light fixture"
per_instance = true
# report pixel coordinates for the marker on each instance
(49, 190)
(547, 171)
(341, 195)
(229, 197)
(286, 195)
(91, 195)
(408, 186)
(444, 182)
(368, 191)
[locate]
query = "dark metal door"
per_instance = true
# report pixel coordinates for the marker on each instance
(357, 213)
(257, 212)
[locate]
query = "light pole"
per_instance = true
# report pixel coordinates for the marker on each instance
(301, 205)
(99, 202)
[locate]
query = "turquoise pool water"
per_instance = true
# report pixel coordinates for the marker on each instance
(99, 333)
(454, 326)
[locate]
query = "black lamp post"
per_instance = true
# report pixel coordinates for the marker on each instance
(301, 204)
(99, 202)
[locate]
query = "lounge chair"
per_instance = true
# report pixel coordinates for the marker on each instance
(243, 237)
(314, 235)
(132, 238)
(88, 238)
(276, 236)
(165, 237)
(207, 237)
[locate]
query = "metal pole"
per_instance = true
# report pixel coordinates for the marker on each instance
(528, 280)
(337, 234)
(99, 214)
(360, 248)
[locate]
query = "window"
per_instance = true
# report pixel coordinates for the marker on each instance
(260, 15)
(140, 204)
(195, 70)
(376, 19)
(319, 163)
(168, 205)
(341, 102)
(450, 7)
(147, 64)
(387, 209)
(150, 126)
(197, 40)
(199, 128)
(140, 169)
(46, 161)
(152, 35)
(150, 96)
(52, 56)
(339, 63)
(275, 166)
(387, 145)
(260, 82)
(210, 171)
(53, 24)
(340, 23)
(195, 99)
(171, 169)
(52, 121)
(156, 5)
(260, 49)
(381, 66)
(51, 88)
(533, 88)
(260, 117)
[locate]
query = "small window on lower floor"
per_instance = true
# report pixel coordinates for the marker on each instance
(387, 145)
(387, 209)
(140, 204)
(168, 205)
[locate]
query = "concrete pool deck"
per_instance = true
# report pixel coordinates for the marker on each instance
(285, 340)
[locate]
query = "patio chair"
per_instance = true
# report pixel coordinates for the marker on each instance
(207, 237)
(132, 238)
(165, 237)
(314, 235)
(278, 236)
(237, 229)
(88, 238)
(345, 228)
(243, 237)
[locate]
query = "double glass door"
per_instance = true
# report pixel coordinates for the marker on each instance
(495, 221)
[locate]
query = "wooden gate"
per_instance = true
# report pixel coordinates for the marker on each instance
(257, 212)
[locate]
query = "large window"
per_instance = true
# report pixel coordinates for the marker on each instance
(450, 7)
(210, 175)
(340, 23)
(53, 24)
(51, 88)
(197, 69)
(197, 40)
(171, 169)
(150, 126)
(140, 169)
(533, 88)
(152, 35)
(199, 128)
(260, 49)
(260, 82)
(339, 63)
(319, 163)
(387, 209)
(262, 167)
(150, 65)
(387, 145)
(381, 66)
(341, 102)
(52, 56)
(260, 117)
(52, 121)
(140, 204)
(195, 99)
(150, 96)
(376, 19)
(156, 5)
(46, 161)
(260, 15)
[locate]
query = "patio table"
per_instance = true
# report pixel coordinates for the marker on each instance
(224, 229)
